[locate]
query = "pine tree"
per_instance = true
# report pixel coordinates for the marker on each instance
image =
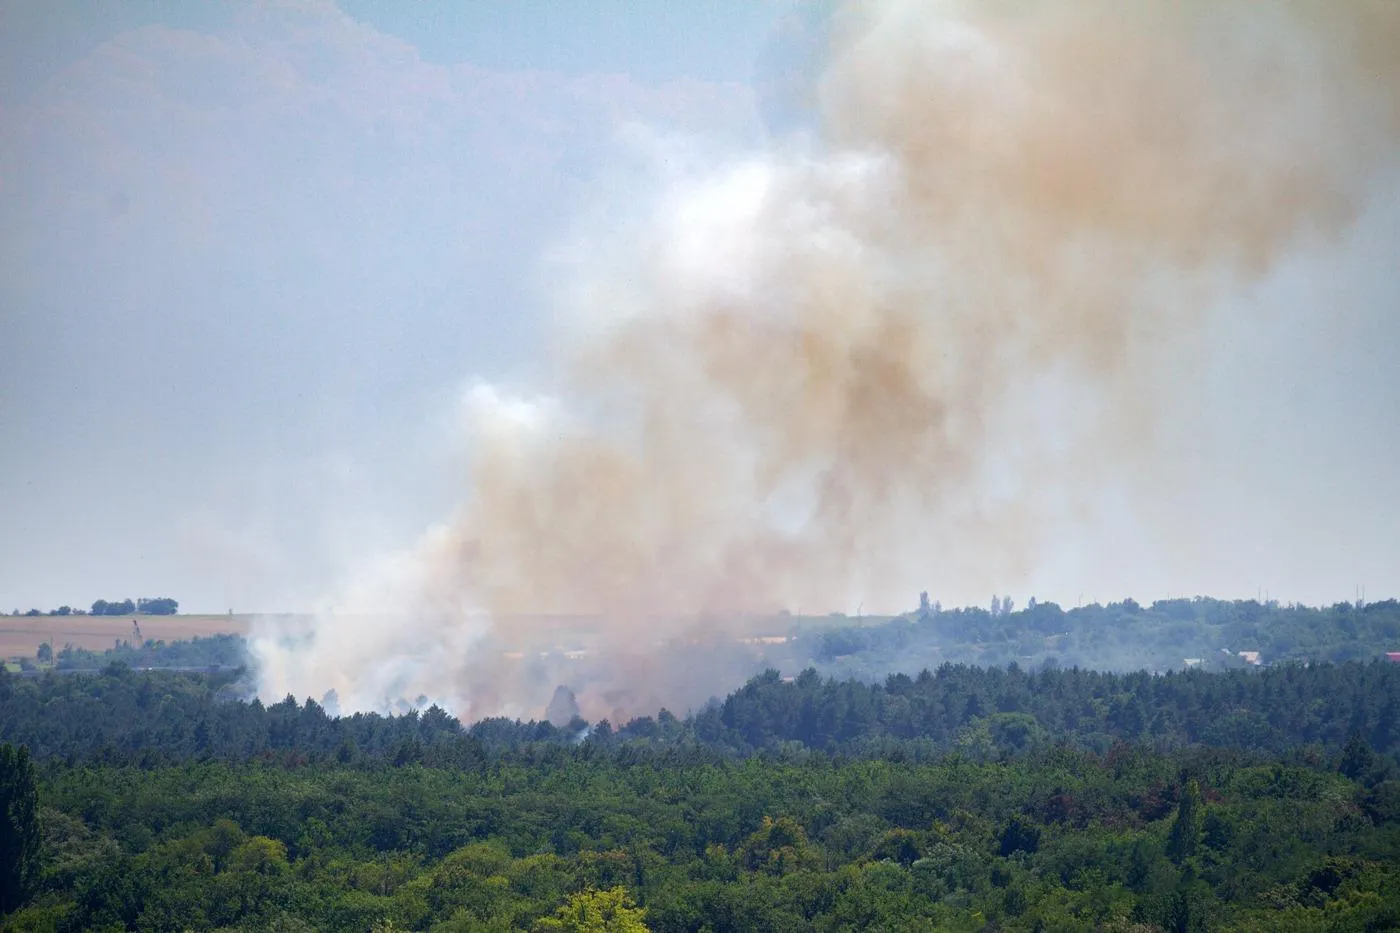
(1358, 759)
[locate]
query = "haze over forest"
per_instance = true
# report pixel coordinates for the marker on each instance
(332, 307)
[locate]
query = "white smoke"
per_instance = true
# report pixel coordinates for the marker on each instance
(816, 372)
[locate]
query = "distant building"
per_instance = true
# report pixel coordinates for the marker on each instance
(1393, 657)
(1250, 657)
(1192, 662)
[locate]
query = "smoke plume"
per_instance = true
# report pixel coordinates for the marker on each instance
(897, 348)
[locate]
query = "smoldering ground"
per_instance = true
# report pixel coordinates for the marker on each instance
(912, 345)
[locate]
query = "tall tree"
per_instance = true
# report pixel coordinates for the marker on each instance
(19, 827)
(1186, 831)
(1358, 759)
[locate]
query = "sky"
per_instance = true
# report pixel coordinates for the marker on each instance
(252, 250)
(253, 253)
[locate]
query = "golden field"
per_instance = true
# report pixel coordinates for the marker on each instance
(21, 636)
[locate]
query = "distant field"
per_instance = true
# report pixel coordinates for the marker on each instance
(21, 636)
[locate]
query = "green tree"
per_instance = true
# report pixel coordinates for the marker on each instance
(1186, 831)
(259, 855)
(1019, 835)
(591, 911)
(899, 845)
(1358, 759)
(778, 847)
(19, 827)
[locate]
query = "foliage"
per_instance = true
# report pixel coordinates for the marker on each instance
(157, 606)
(1121, 636)
(561, 838)
(610, 911)
(1347, 712)
(104, 608)
(19, 827)
(959, 799)
(1186, 829)
(206, 652)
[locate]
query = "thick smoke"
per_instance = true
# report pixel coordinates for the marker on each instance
(818, 374)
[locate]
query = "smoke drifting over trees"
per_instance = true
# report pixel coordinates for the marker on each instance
(813, 373)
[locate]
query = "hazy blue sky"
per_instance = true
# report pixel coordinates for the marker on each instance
(251, 254)
(251, 251)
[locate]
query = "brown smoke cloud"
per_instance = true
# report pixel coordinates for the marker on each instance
(817, 374)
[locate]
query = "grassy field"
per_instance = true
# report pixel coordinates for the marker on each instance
(21, 636)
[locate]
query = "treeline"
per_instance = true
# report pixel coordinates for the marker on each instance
(987, 714)
(999, 709)
(205, 652)
(208, 651)
(1169, 634)
(157, 606)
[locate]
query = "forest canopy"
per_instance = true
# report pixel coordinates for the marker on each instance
(961, 798)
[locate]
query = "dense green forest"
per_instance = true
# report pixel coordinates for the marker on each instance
(960, 799)
(128, 716)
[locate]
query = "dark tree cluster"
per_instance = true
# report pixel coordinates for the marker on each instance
(985, 714)
(159, 606)
(208, 652)
(957, 706)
